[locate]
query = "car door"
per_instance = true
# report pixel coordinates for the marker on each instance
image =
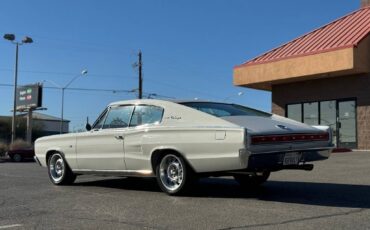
(140, 134)
(102, 148)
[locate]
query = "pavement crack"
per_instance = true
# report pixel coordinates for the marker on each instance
(296, 220)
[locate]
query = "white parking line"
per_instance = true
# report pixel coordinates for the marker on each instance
(10, 226)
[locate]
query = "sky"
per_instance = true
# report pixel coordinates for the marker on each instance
(189, 47)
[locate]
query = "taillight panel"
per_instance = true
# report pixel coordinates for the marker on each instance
(270, 139)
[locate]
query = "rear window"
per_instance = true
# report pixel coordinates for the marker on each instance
(225, 110)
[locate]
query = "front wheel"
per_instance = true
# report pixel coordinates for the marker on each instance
(173, 175)
(251, 180)
(58, 170)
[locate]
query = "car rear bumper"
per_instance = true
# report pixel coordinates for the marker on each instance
(275, 161)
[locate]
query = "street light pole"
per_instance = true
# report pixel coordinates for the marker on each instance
(140, 96)
(83, 72)
(229, 97)
(25, 40)
(15, 92)
(62, 115)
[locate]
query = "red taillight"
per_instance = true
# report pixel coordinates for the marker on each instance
(289, 138)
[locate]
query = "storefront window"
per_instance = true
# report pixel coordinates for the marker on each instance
(295, 112)
(340, 115)
(311, 113)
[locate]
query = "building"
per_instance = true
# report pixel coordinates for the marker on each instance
(43, 125)
(49, 125)
(321, 78)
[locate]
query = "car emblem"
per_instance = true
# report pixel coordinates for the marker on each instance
(283, 127)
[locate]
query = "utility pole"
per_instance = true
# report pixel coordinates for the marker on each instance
(140, 65)
(29, 126)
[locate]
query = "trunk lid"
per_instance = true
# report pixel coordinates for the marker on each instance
(278, 126)
(273, 125)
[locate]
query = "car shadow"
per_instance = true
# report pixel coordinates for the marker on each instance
(131, 183)
(308, 193)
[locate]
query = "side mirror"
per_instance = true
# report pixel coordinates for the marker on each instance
(88, 127)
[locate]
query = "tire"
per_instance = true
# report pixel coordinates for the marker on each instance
(59, 171)
(17, 157)
(251, 180)
(173, 175)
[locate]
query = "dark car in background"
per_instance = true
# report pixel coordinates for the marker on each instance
(21, 154)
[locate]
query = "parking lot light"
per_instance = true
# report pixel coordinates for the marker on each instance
(26, 40)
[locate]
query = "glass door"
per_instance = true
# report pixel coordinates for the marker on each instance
(346, 124)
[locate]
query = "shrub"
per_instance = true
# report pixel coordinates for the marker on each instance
(20, 144)
(3, 148)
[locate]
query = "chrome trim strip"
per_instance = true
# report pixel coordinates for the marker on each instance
(133, 173)
(37, 160)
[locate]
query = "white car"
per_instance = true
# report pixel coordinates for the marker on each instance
(176, 142)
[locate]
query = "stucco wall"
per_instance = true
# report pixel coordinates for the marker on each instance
(342, 62)
(295, 69)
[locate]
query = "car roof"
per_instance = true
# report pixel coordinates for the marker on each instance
(177, 101)
(168, 102)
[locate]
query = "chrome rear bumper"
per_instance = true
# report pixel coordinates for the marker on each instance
(273, 161)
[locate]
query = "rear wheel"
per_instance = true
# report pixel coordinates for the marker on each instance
(173, 175)
(251, 180)
(59, 171)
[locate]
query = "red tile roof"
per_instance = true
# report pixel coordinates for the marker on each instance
(342, 33)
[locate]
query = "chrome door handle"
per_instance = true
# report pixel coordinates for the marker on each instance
(119, 137)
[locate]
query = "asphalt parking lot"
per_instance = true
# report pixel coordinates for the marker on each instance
(336, 195)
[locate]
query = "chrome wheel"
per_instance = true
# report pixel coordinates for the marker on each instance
(171, 171)
(56, 168)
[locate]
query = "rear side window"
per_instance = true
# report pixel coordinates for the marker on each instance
(225, 110)
(146, 114)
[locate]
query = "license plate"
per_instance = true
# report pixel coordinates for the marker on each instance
(291, 158)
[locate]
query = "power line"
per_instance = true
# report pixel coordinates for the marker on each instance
(157, 82)
(154, 81)
(115, 91)
(82, 89)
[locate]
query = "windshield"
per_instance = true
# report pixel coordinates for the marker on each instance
(225, 110)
